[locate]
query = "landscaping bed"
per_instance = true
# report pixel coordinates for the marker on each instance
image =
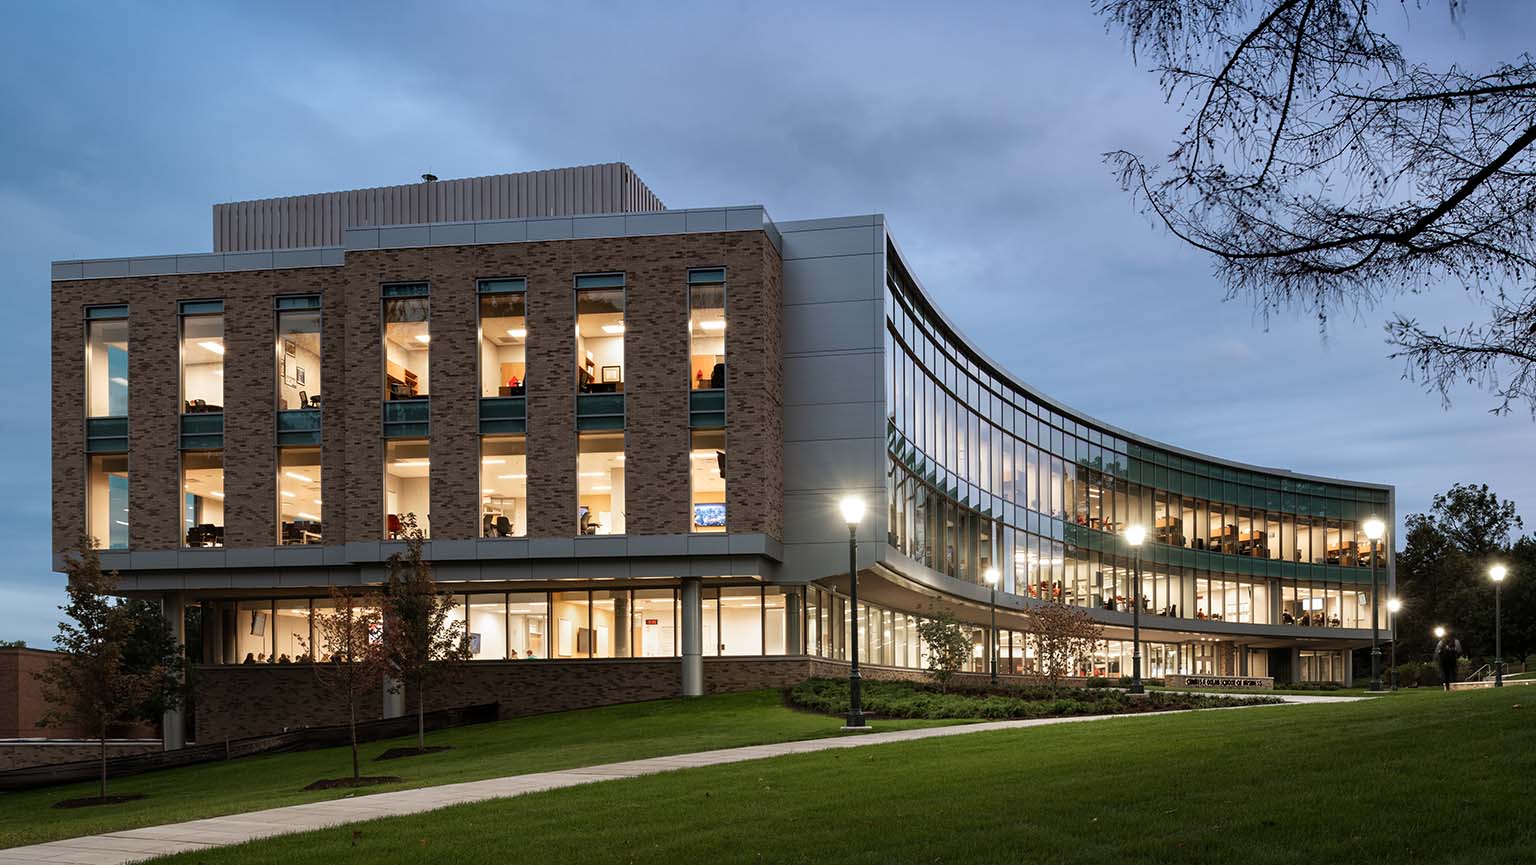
(883, 699)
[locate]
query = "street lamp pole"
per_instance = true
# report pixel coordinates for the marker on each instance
(1375, 529)
(1497, 573)
(992, 578)
(1393, 607)
(1134, 535)
(853, 513)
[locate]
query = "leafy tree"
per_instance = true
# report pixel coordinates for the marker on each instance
(1321, 169)
(13, 644)
(355, 664)
(948, 646)
(1066, 637)
(119, 663)
(1442, 575)
(420, 641)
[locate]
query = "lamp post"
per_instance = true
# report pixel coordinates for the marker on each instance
(992, 578)
(1497, 574)
(853, 514)
(1134, 535)
(1375, 529)
(1394, 606)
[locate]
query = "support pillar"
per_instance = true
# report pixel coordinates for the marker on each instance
(173, 725)
(693, 638)
(394, 698)
(794, 642)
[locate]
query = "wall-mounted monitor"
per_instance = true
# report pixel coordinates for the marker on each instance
(709, 515)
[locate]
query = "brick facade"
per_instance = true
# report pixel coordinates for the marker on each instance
(657, 386)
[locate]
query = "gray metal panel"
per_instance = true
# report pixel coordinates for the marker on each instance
(744, 218)
(105, 267)
(452, 235)
(414, 235)
(831, 327)
(597, 226)
(501, 232)
(842, 277)
(831, 241)
(655, 223)
(68, 270)
(152, 266)
(247, 261)
(549, 229)
(213, 263)
(298, 258)
(706, 220)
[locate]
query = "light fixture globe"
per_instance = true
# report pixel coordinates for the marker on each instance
(1497, 573)
(1394, 605)
(853, 510)
(1375, 529)
(1135, 534)
(1439, 632)
(991, 576)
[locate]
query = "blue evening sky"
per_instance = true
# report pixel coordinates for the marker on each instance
(976, 128)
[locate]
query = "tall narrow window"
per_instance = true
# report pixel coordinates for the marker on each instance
(202, 498)
(202, 356)
(298, 353)
(707, 471)
(503, 337)
(298, 496)
(407, 341)
(106, 361)
(706, 327)
(600, 333)
(407, 477)
(106, 501)
(503, 487)
(600, 484)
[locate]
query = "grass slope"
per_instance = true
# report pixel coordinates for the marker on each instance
(1414, 777)
(513, 747)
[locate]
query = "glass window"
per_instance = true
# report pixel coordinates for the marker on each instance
(600, 333)
(503, 338)
(707, 473)
(407, 487)
(298, 496)
(573, 625)
(654, 624)
(290, 631)
(706, 327)
(202, 498)
(321, 608)
(253, 632)
(298, 359)
(600, 484)
(527, 625)
(407, 343)
(610, 618)
(106, 501)
(776, 609)
(106, 368)
(202, 362)
(709, 603)
(503, 487)
(741, 621)
(486, 629)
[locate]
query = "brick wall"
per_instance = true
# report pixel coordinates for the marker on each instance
(351, 364)
(19, 755)
(251, 700)
(22, 704)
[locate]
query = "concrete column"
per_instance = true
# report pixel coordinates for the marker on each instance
(794, 600)
(693, 638)
(622, 626)
(394, 700)
(173, 727)
(1347, 658)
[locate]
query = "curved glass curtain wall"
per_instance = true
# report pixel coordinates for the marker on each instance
(982, 474)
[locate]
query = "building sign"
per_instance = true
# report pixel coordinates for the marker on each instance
(1234, 682)
(652, 621)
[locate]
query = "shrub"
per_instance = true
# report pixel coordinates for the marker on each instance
(1101, 682)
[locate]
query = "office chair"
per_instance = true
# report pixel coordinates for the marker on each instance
(503, 527)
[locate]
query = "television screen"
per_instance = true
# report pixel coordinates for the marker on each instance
(709, 515)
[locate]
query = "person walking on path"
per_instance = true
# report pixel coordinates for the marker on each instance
(1447, 651)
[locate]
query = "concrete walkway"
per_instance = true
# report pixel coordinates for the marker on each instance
(132, 845)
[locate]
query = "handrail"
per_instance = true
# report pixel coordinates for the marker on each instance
(1480, 673)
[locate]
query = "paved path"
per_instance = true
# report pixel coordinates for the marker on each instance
(131, 845)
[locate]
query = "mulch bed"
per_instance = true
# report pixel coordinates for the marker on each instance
(364, 781)
(88, 801)
(397, 753)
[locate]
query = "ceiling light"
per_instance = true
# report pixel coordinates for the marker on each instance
(602, 489)
(511, 477)
(423, 338)
(592, 474)
(413, 463)
(298, 477)
(517, 332)
(317, 501)
(713, 324)
(487, 491)
(213, 345)
(303, 515)
(614, 328)
(493, 461)
(216, 494)
(117, 379)
(288, 495)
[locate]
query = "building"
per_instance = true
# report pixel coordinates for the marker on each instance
(630, 498)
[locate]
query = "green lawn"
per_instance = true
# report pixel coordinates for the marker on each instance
(536, 744)
(1415, 777)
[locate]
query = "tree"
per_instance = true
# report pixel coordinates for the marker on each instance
(948, 646)
(421, 639)
(1066, 637)
(1321, 169)
(118, 661)
(356, 662)
(13, 644)
(1442, 574)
